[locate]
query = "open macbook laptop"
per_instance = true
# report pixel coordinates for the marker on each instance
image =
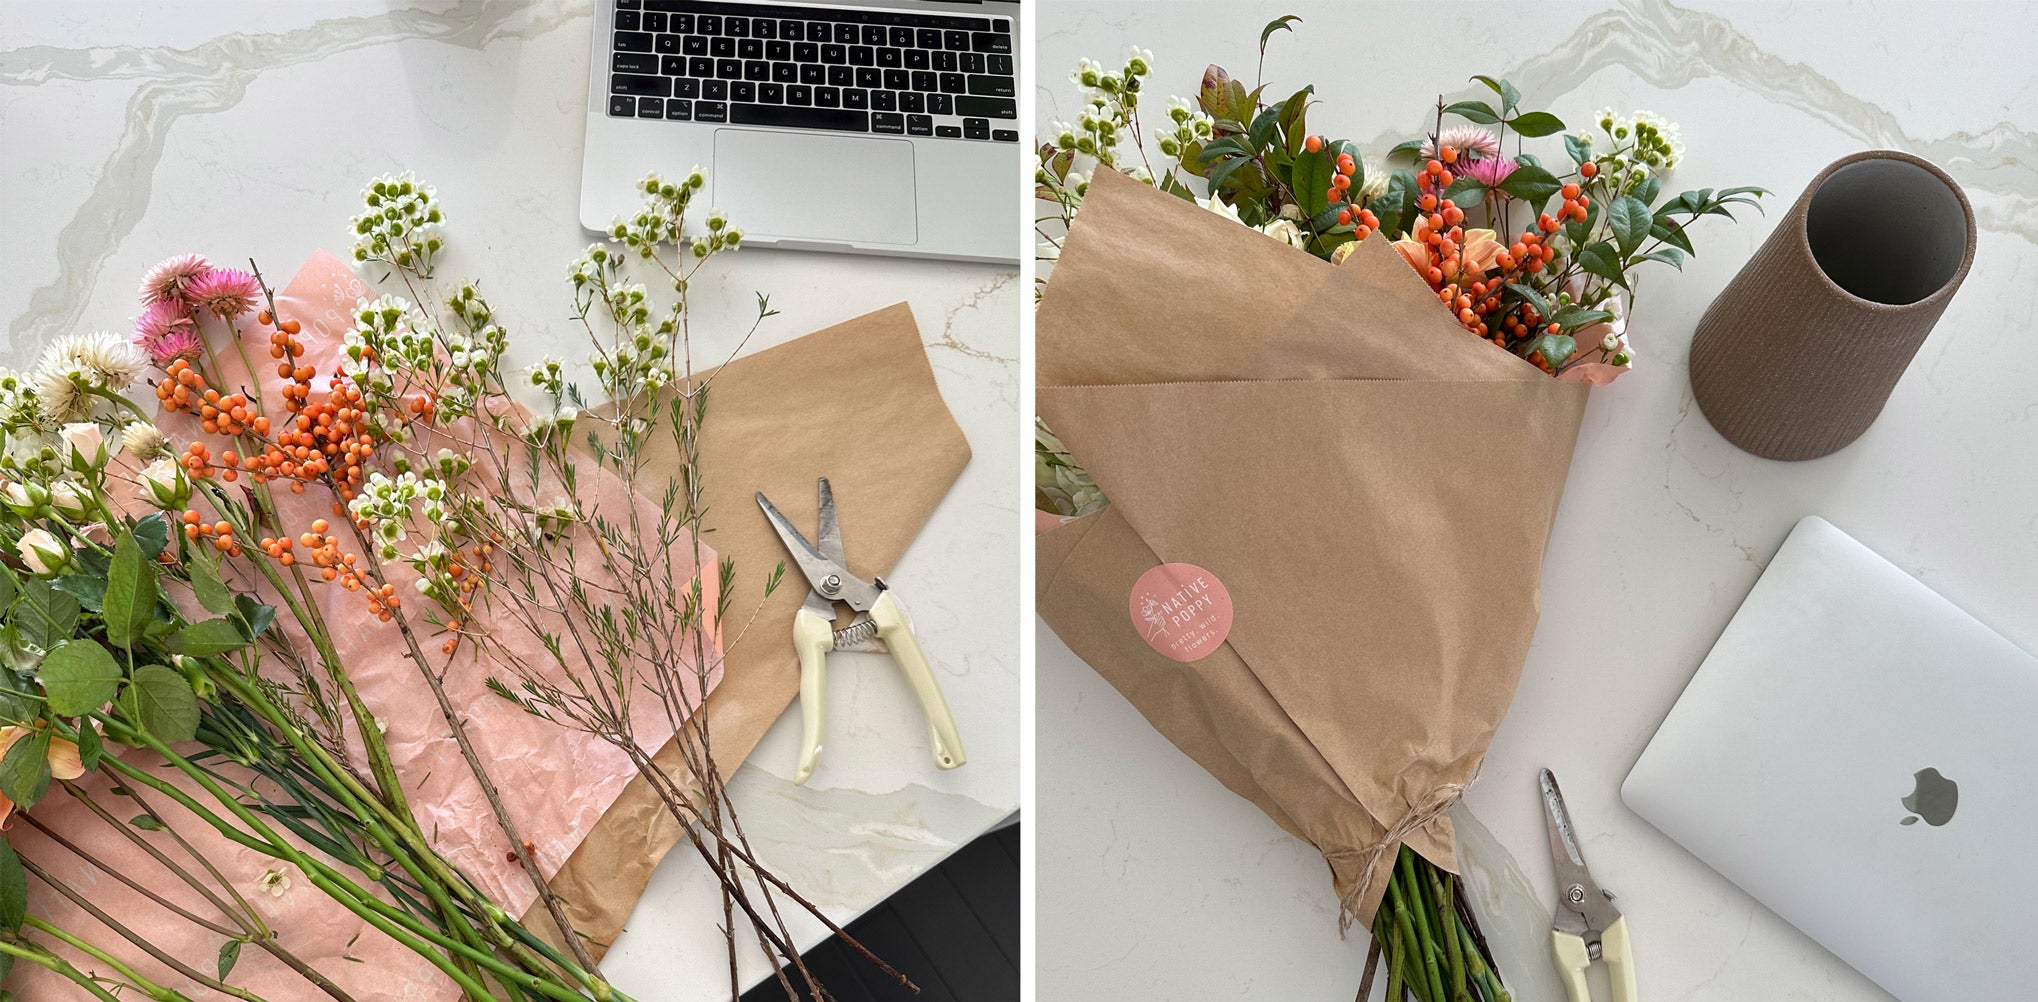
(880, 127)
(1862, 757)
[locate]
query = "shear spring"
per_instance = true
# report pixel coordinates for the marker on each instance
(855, 633)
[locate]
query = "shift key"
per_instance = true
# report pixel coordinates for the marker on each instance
(970, 106)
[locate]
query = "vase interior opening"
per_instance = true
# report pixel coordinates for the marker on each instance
(1888, 231)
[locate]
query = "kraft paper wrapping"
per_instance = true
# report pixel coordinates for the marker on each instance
(856, 403)
(1373, 486)
(556, 782)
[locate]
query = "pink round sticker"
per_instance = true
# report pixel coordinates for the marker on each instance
(1181, 610)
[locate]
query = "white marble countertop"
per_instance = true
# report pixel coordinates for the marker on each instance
(1156, 883)
(130, 131)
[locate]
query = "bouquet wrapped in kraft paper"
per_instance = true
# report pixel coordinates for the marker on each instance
(1317, 575)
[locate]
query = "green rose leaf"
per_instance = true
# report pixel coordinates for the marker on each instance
(1531, 184)
(213, 636)
(161, 701)
(25, 771)
(1466, 192)
(256, 615)
(211, 592)
(1535, 124)
(1555, 348)
(1578, 148)
(45, 616)
(1510, 97)
(88, 589)
(1630, 221)
(90, 745)
(229, 954)
(1601, 259)
(1475, 111)
(1312, 181)
(13, 889)
(130, 592)
(79, 676)
(153, 533)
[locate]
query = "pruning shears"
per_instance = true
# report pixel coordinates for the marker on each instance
(1588, 927)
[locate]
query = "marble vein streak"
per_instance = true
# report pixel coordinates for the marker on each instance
(1668, 47)
(205, 79)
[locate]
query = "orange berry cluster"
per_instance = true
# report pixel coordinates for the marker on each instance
(229, 414)
(1576, 204)
(221, 533)
(1340, 192)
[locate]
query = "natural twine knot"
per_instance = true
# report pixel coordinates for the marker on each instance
(1439, 803)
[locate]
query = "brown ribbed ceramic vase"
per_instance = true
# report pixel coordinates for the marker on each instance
(1796, 357)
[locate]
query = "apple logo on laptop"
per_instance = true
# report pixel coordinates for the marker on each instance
(1935, 798)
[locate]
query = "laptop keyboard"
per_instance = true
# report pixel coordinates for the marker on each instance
(884, 72)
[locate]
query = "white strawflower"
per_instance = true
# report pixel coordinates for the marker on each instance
(1376, 179)
(106, 357)
(60, 390)
(144, 442)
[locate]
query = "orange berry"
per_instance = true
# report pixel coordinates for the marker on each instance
(290, 326)
(1569, 191)
(1448, 154)
(1588, 169)
(1445, 179)
(1433, 168)
(1313, 144)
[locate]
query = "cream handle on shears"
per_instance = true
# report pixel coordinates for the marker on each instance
(897, 634)
(1572, 960)
(814, 637)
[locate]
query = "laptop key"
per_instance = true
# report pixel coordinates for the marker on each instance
(884, 100)
(916, 59)
(887, 123)
(650, 107)
(993, 86)
(1001, 65)
(686, 87)
(919, 125)
(890, 58)
(799, 94)
(924, 80)
(785, 72)
(779, 51)
(672, 66)
(655, 21)
(749, 48)
(976, 128)
(677, 110)
(990, 41)
(834, 53)
(700, 66)
(799, 118)
(694, 45)
(764, 27)
(812, 74)
(809, 52)
(873, 35)
(856, 98)
(715, 90)
(711, 24)
(722, 48)
(987, 107)
(682, 23)
(758, 69)
(868, 76)
(828, 97)
(629, 4)
(629, 20)
(973, 62)
(948, 131)
(729, 69)
(771, 93)
(633, 62)
(927, 38)
(792, 31)
(944, 61)
(846, 34)
(736, 27)
(627, 83)
(862, 55)
(669, 44)
(622, 106)
(896, 80)
(913, 103)
(954, 83)
(743, 90)
(841, 76)
(710, 111)
(633, 41)
(955, 41)
(940, 104)
(1005, 135)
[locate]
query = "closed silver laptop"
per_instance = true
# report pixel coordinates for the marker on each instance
(882, 127)
(1860, 756)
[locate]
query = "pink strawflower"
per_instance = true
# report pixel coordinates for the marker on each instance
(172, 278)
(223, 292)
(1489, 171)
(1467, 140)
(166, 332)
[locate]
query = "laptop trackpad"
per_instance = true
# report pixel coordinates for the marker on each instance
(804, 186)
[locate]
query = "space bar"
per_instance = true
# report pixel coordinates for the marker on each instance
(788, 116)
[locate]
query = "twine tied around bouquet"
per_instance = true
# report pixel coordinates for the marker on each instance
(1439, 803)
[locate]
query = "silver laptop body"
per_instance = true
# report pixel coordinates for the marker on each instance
(1862, 757)
(858, 143)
